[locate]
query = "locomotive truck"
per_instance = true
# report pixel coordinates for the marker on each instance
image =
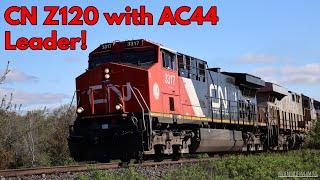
(139, 99)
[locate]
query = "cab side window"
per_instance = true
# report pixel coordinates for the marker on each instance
(182, 66)
(169, 60)
(192, 68)
(202, 71)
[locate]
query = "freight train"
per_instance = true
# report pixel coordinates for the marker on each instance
(139, 99)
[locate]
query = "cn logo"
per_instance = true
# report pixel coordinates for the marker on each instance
(156, 91)
(217, 93)
(115, 88)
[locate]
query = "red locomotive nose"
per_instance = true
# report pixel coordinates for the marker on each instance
(109, 89)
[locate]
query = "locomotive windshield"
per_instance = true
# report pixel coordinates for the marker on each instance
(141, 57)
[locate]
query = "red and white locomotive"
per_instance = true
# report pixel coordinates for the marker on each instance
(139, 98)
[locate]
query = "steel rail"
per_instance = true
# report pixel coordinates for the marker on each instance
(89, 167)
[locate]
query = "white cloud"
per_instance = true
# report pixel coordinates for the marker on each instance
(313, 68)
(305, 74)
(19, 76)
(310, 79)
(258, 58)
(29, 98)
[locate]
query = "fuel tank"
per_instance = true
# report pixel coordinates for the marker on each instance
(219, 140)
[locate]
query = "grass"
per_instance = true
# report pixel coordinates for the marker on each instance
(128, 174)
(258, 166)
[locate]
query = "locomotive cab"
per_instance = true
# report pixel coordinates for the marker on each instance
(117, 78)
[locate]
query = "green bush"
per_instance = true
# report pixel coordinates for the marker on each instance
(313, 137)
(36, 138)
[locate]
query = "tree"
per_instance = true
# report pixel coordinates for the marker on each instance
(313, 137)
(35, 138)
(5, 73)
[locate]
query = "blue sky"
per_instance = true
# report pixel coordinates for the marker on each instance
(277, 40)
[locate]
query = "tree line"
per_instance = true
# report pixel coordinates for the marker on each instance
(33, 138)
(36, 138)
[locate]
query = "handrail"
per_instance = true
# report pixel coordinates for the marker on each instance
(150, 122)
(142, 98)
(142, 108)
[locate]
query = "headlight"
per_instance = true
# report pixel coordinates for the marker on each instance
(107, 70)
(107, 76)
(118, 107)
(80, 110)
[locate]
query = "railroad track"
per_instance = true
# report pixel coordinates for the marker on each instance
(88, 167)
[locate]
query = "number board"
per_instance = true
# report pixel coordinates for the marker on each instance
(135, 43)
(107, 46)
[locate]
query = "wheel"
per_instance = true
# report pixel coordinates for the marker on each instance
(77, 150)
(125, 160)
(158, 154)
(176, 153)
(139, 157)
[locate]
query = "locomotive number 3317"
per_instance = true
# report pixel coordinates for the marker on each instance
(169, 79)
